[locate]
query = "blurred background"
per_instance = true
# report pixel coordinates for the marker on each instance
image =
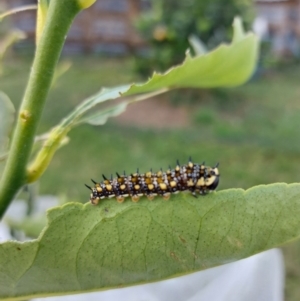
(252, 130)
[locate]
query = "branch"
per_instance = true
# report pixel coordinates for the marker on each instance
(59, 18)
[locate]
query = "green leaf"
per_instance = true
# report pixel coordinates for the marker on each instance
(226, 66)
(86, 248)
(103, 95)
(7, 114)
(100, 117)
(238, 33)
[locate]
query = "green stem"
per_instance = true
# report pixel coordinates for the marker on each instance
(59, 18)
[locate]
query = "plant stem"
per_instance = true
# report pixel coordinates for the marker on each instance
(59, 18)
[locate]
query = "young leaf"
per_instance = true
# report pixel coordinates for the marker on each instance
(87, 248)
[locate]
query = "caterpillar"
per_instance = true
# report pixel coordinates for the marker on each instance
(193, 177)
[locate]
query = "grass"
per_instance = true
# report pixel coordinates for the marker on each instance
(253, 131)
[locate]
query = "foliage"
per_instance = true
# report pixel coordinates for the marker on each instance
(162, 237)
(168, 26)
(209, 70)
(250, 145)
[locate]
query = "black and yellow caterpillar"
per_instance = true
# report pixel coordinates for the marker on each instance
(193, 177)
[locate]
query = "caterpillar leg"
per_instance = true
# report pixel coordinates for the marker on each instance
(150, 197)
(120, 199)
(166, 196)
(95, 201)
(203, 192)
(135, 198)
(194, 194)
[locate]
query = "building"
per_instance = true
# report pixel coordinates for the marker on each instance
(278, 21)
(106, 27)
